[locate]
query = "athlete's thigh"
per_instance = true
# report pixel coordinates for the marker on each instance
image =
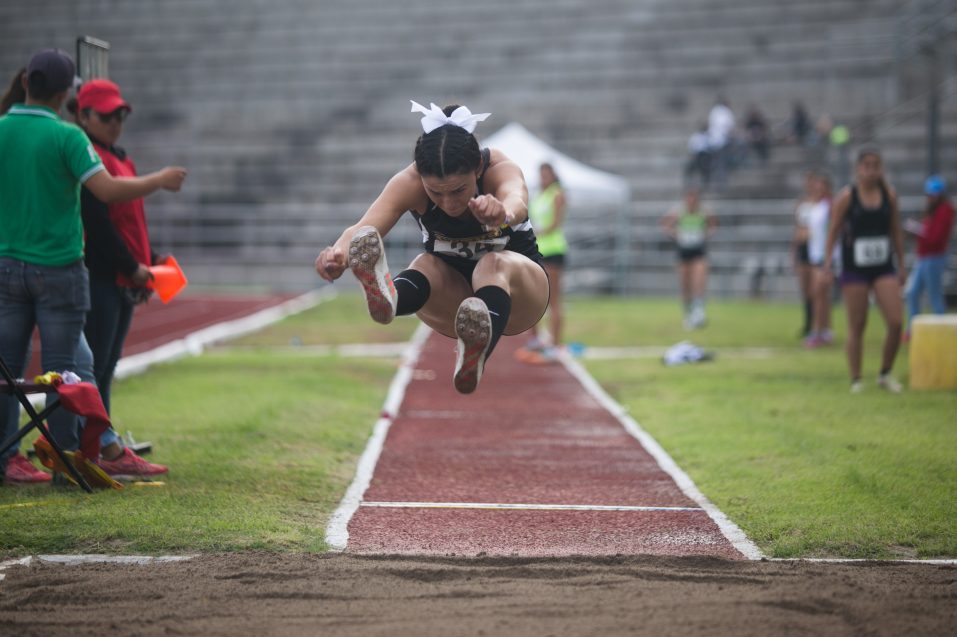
(528, 287)
(887, 293)
(855, 302)
(449, 289)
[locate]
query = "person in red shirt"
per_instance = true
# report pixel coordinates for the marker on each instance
(118, 255)
(933, 237)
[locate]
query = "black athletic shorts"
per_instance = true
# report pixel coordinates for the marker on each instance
(690, 254)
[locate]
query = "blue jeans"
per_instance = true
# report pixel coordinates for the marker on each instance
(928, 275)
(56, 299)
(107, 325)
(84, 369)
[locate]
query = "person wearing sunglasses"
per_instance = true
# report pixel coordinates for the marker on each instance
(118, 256)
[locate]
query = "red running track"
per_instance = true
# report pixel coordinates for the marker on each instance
(530, 435)
(156, 324)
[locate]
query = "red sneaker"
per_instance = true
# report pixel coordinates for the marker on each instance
(129, 466)
(21, 471)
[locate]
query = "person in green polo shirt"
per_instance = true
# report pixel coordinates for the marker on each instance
(43, 281)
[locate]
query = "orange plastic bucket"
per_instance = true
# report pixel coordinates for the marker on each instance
(168, 279)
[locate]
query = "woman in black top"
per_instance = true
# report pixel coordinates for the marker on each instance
(866, 218)
(480, 275)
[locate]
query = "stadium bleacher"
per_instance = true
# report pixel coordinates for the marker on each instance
(291, 115)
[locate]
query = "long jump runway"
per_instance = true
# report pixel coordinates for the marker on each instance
(532, 464)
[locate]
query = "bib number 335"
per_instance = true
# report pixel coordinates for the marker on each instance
(871, 251)
(470, 249)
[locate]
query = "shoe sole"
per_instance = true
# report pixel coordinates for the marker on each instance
(368, 263)
(473, 327)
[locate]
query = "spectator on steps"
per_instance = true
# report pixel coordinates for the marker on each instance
(42, 238)
(866, 220)
(933, 240)
(721, 140)
(758, 134)
(800, 124)
(699, 159)
(118, 256)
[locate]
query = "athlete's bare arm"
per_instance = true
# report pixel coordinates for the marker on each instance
(838, 211)
(507, 201)
(403, 192)
(110, 189)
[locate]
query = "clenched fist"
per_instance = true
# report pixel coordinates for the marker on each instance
(331, 263)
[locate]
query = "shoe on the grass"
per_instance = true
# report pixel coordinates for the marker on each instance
(368, 263)
(21, 471)
(473, 327)
(857, 387)
(889, 383)
(91, 472)
(129, 466)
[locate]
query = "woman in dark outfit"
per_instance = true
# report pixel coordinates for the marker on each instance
(480, 275)
(866, 218)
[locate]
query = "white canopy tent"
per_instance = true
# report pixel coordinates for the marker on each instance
(583, 184)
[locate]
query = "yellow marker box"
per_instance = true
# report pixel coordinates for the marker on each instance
(933, 352)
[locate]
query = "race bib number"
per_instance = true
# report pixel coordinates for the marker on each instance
(690, 237)
(871, 251)
(470, 248)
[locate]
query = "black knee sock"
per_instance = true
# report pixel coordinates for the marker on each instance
(413, 290)
(499, 305)
(808, 311)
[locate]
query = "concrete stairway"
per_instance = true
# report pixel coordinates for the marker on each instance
(292, 114)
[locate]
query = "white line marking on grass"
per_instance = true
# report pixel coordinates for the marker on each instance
(730, 530)
(193, 344)
(521, 507)
(337, 531)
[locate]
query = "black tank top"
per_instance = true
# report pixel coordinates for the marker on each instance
(464, 238)
(866, 235)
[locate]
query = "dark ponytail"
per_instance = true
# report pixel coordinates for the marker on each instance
(447, 150)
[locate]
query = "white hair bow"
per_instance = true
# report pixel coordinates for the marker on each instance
(461, 117)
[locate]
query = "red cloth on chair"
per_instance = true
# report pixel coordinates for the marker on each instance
(84, 399)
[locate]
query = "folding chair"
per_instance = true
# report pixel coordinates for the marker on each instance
(10, 386)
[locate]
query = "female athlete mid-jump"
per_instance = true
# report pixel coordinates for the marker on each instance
(480, 275)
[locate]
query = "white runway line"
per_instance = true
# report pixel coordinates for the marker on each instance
(337, 531)
(193, 344)
(520, 507)
(731, 531)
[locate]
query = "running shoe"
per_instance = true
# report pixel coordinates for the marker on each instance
(91, 472)
(129, 466)
(857, 387)
(473, 327)
(21, 471)
(813, 342)
(368, 264)
(889, 383)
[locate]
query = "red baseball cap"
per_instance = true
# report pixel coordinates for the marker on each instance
(103, 96)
